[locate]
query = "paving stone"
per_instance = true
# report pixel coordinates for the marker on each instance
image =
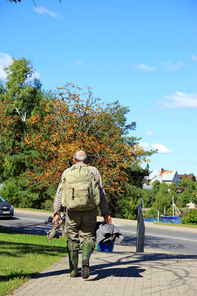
(122, 272)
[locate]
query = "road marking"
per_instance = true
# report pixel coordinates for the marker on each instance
(163, 236)
(29, 219)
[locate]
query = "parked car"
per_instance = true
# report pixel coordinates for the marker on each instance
(6, 209)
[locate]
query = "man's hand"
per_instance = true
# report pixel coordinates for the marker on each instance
(107, 219)
(57, 218)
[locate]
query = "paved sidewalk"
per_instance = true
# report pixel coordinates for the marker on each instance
(122, 272)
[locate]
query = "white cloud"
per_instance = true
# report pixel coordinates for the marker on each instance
(43, 10)
(179, 100)
(35, 75)
(169, 66)
(161, 149)
(144, 67)
(81, 63)
(146, 146)
(194, 57)
(5, 61)
(149, 133)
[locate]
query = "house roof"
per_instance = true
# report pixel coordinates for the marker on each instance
(166, 175)
(191, 176)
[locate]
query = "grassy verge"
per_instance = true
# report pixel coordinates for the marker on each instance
(23, 256)
(173, 224)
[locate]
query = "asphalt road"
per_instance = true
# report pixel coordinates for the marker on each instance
(33, 224)
(181, 242)
(165, 240)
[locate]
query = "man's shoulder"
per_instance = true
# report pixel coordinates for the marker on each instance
(94, 170)
(64, 172)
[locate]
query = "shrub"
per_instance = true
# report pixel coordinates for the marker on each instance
(186, 197)
(150, 213)
(190, 217)
(9, 191)
(48, 205)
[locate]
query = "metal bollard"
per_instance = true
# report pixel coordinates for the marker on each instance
(140, 231)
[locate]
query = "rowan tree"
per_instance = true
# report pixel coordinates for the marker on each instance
(40, 131)
(75, 120)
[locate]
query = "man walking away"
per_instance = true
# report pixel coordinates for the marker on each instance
(80, 190)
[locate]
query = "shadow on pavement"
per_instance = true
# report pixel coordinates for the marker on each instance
(151, 242)
(130, 265)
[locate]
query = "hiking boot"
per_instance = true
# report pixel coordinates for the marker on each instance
(73, 262)
(86, 252)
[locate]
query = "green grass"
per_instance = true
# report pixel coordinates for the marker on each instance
(173, 224)
(23, 256)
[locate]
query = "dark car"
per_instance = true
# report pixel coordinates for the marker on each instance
(6, 209)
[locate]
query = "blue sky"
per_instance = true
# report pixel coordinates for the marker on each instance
(142, 53)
